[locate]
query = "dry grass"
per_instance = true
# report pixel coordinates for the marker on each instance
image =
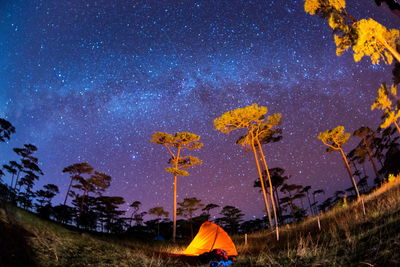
(347, 238)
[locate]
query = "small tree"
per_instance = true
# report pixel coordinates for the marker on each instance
(175, 144)
(334, 139)
(159, 212)
(187, 208)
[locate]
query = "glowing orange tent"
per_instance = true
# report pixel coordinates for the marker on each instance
(209, 237)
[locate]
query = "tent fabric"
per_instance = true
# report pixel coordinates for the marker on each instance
(209, 237)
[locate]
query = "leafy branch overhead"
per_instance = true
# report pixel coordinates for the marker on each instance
(366, 37)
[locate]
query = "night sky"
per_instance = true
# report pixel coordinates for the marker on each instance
(91, 81)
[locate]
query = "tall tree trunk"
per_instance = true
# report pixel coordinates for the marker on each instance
(261, 180)
(271, 189)
(279, 204)
(69, 188)
(176, 163)
(16, 179)
(174, 213)
(12, 180)
(349, 172)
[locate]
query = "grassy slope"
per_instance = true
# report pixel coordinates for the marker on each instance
(347, 238)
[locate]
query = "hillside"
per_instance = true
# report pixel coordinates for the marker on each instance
(346, 238)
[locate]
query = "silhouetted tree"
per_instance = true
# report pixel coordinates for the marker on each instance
(76, 170)
(315, 203)
(294, 192)
(231, 218)
(175, 144)
(187, 208)
(109, 213)
(44, 197)
(306, 190)
(136, 216)
(278, 179)
(96, 184)
(6, 129)
(13, 168)
(159, 212)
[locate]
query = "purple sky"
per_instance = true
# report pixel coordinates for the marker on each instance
(91, 81)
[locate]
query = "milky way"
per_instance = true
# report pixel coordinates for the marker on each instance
(91, 81)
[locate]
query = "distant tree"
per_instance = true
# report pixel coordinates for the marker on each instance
(108, 211)
(389, 103)
(135, 213)
(96, 184)
(278, 179)
(44, 197)
(366, 37)
(29, 165)
(6, 129)
(63, 213)
(367, 137)
(159, 212)
(231, 218)
(175, 144)
(13, 168)
(46, 194)
(76, 170)
(293, 192)
(306, 190)
(315, 203)
(334, 139)
(252, 118)
(187, 209)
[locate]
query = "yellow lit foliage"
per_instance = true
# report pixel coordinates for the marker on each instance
(384, 103)
(366, 37)
(314, 6)
(240, 118)
(372, 40)
(334, 138)
(311, 6)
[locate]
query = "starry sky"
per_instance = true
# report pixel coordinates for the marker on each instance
(91, 81)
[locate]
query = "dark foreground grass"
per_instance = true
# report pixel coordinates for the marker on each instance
(347, 238)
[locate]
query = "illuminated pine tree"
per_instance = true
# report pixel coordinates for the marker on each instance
(252, 118)
(175, 144)
(384, 102)
(366, 37)
(334, 139)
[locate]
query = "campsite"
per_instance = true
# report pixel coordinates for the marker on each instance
(199, 133)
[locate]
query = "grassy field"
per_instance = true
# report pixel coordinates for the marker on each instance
(347, 238)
